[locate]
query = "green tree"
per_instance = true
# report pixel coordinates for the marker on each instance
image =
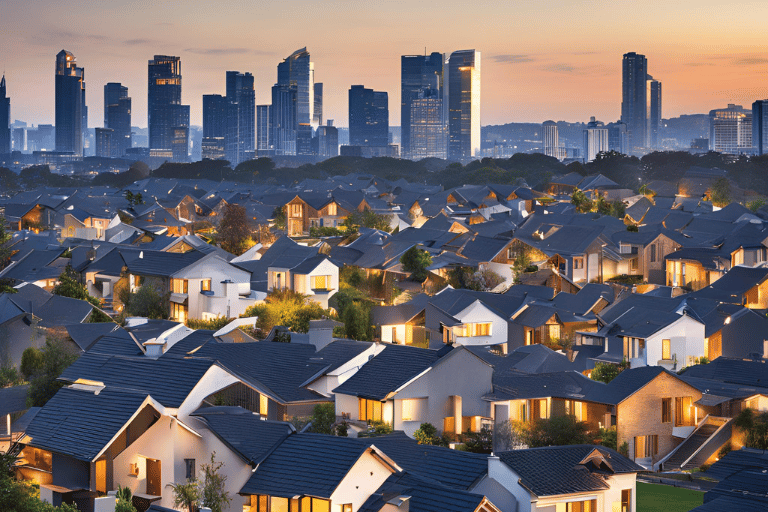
(31, 361)
(478, 442)
(43, 385)
(186, 494)
(427, 434)
(521, 265)
(755, 204)
(582, 203)
(367, 219)
(608, 437)
(323, 418)
(357, 321)
(212, 491)
(146, 301)
(124, 500)
(416, 261)
(754, 425)
(279, 217)
(286, 308)
(69, 285)
(720, 194)
(606, 372)
(556, 431)
(234, 234)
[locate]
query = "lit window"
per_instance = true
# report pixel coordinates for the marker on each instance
(578, 263)
(411, 409)
(370, 410)
(332, 211)
(205, 285)
(263, 405)
(666, 350)
(189, 465)
(179, 286)
(320, 282)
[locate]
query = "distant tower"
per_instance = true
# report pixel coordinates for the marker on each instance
(730, 130)
(117, 116)
(167, 118)
(317, 116)
(71, 113)
(595, 139)
(368, 117)
(759, 127)
(550, 136)
(215, 112)
(422, 120)
(463, 90)
(293, 103)
(241, 117)
(5, 119)
(653, 89)
(262, 129)
(634, 100)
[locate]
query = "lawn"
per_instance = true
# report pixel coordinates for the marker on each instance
(663, 498)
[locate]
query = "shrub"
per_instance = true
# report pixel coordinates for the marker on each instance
(43, 384)
(608, 437)
(427, 434)
(624, 449)
(416, 261)
(31, 360)
(214, 324)
(323, 418)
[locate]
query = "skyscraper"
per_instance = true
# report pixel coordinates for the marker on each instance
(117, 117)
(550, 136)
(295, 78)
(421, 89)
(759, 127)
(262, 129)
(282, 120)
(463, 91)
(166, 116)
(317, 117)
(215, 117)
(595, 139)
(730, 130)
(617, 138)
(5, 119)
(327, 140)
(368, 117)
(241, 118)
(653, 89)
(634, 100)
(71, 114)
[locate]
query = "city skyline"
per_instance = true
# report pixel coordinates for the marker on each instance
(535, 76)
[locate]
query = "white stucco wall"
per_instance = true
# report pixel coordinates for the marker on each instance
(362, 480)
(478, 313)
(510, 480)
(347, 404)
(213, 380)
(226, 299)
(687, 339)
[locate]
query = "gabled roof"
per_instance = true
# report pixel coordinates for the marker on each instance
(557, 470)
(424, 495)
(571, 385)
(85, 335)
(80, 423)
(629, 382)
(338, 352)
(744, 490)
(743, 372)
(13, 399)
(401, 313)
(387, 371)
(734, 284)
(737, 460)
(306, 465)
(457, 469)
(159, 263)
(310, 264)
(244, 431)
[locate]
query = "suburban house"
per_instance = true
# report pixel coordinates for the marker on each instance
(577, 478)
(316, 277)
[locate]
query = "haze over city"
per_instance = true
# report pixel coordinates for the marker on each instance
(559, 60)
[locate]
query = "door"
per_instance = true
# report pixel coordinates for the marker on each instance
(154, 487)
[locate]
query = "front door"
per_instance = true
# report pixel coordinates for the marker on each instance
(154, 487)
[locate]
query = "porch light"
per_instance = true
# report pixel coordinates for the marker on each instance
(727, 320)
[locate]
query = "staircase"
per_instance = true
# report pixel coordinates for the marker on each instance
(705, 441)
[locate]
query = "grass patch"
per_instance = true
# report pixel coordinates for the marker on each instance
(663, 498)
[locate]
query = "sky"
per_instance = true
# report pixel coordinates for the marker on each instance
(541, 60)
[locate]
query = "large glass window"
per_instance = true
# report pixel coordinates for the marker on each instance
(684, 411)
(179, 312)
(577, 506)
(179, 286)
(646, 446)
(370, 410)
(666, 350)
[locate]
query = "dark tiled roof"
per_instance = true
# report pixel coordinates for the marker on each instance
(339, 352)
(80, 423)
(514, 385)
(306, 464)
(59, 311)
(744, 372)
(558, 470)
(118, 343)
(628, 382)
(168, 379)
(745, 485)
(453, 468)
(737, 460)
(309, 264)
(425, 495)
(390, 369)
(158, 263)
(13, 399)
(245, 432)
(85, 335)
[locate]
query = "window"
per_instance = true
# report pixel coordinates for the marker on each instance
(646, 446)
(179, 286)
(578, 263)
(653, 253)
(205, 285)
(320, 282)
(189, 465)
(179, 312)
(347, 507)
(577, 506)
(370, 410)
(576, 409)
(394, 334)
(295, 210)
(524, 411)
(626, 500)
(684, 416)
(666, 350)
(666, 410)
(480, 329)
(263, 405)
(332, 211)
(411, 409)
(633, 264)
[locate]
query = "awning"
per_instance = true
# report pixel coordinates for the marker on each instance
(179, 298)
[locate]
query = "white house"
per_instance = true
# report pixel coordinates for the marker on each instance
(316, 277)
(671, 340)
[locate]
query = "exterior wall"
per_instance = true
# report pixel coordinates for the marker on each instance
(511, 482)
(362, 480)
(460, 374)
(214, 380)
(347, 404)
(687, 341)
(640, 414)
(757, 297)
(226, 299)
(478, 313)
(695, 275)
(655, 271)
(386, 333)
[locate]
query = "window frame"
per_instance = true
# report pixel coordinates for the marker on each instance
(666, 350)
(666, 410)
(205, 282)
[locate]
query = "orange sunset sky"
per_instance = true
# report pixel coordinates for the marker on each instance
(540, 59)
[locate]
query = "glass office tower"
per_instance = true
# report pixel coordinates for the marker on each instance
(463, 91)
(71, 114)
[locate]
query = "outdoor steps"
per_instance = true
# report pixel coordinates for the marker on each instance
(702, 439)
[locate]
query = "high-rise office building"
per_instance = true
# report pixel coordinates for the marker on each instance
(617, 138)
(760, 127)
(282, 120)
(730, 130)
(5, 119)
(653, 100)
(317, 115)
(368, 117)
(421, 89)
(241, 118)
(262, 129)
(463, 91)
(326, 143)
(117, 117)
(166, 116)
(550, 137)
(595, 139)
(71, 113)
(104, 142)
(634, 100)
(215, 117)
